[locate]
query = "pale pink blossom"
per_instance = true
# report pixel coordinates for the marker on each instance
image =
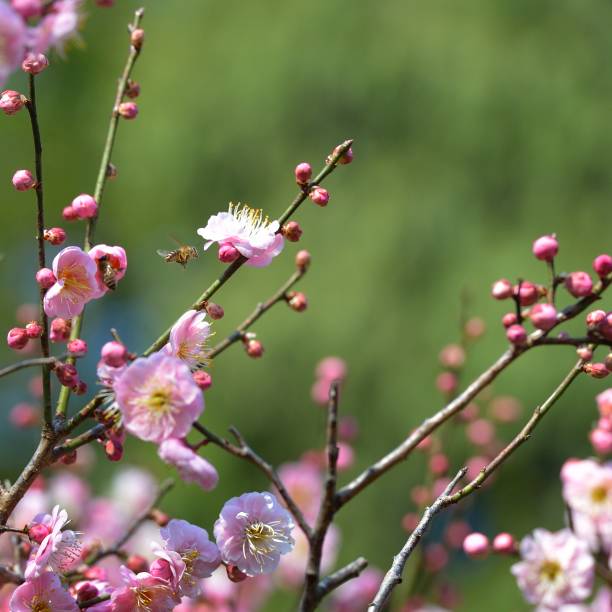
(108, 375)
(113, 256)
(169, 567)
(555, 569)
(245, 229)
(190, 465)
(221, 595)
(12, 41)
(304, 483)
(70, 492)
(604, 403)
(158, 398)
(253, 531)
(76, 284)
(133, 490)
(44, 592)
(355, 595)
(199, 556)
(188, 338)
(57, 27)
(142, 593)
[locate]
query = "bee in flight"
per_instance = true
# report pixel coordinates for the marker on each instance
(182, 255)
(107, 272)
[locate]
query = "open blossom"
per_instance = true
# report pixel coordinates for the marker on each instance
(111, 264)
(245, 229)
(190, 465)
(12, 41)
(58, 26)
(76, 283)
(198, 554)
(44, 592)
(158, 398)
(188, 338)
(142, 593)
(555, 569)
(253, 531)
(604, 403)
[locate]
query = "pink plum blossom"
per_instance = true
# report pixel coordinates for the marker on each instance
(304, 483)
(142, 593)
(188, 338)
(555, 569)
(76, 284)
(169, 567)
(253, 531)
(158, 398)
(58, 26)
(44, 592)
(190, 465)
(604, 403)
(245, 229)
(199, 556)
(114, 256)
(12, 41)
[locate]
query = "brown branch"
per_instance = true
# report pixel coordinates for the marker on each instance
(339, 577)
(7, 575)
(28, 363)
(85, 438)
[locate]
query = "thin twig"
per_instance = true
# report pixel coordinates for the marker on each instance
(339, 577)
(394, 576)
(28, 363)
(7, 575)
(85, 438)
(92, 602)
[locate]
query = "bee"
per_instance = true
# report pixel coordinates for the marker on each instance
(182, 255)
(107, 272)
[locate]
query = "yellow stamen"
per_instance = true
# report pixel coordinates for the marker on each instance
(549, 570)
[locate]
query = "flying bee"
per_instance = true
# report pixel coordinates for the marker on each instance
(182, 255)
(107, 272)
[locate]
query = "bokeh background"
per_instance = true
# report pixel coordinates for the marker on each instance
(478, 127)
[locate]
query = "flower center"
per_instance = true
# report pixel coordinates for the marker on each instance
(38, 605)
(74, 280)
(188, 557)
(599, 494)
(159, 402)
(549, 570)
(261, 540)
(251, 219)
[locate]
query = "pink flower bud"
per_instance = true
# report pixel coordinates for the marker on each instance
(159, 517)
(137, 563)
(529, 293)
(346, 157)
(87, 591)
(23, 180)
(137, 38)
(602, 265)
(594, 318)
(28, 9)
(346, 456)
(84, 206)
(254, 348)
(67, 374)
(319, 196)
(476, 545)
(438, 464)
(17, 338)
(509, 319)
(302, 259)
(543, 316)
(23, 415)
(11, 101)
(435, 557)
(34, 63)
(516, 334)
(480, 432)
(228, 253)
(584, 352)
(202, 379)
(579, 284)
(160, 568)
(114, 354)
(113, 449)
(34, 329)
(292, 231)
(77, 347)
(348, 429)
(447, 382)
(60, 330)
(38, 532)
(55, 236)
(69, 458)
(596, 370)
(504, 544)
(215, 311)
(502, 289)
(410, 521)
(69, 213)
(452, 356)
(546, 248)
(80, 388)
(601, 441)
(303, 172)
(234, 574)
(128, 110)
(297, 301)
(132, 90)
(456, 532)
(475, 327)
(45, 278)
(420, 495)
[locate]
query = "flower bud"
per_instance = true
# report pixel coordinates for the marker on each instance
(595, 370)
(34, 329)
(228, 253)
(438, 464)
(45, 278)
(114, 354)
(302, 259)
(128, 110)
(60, 330)
(137, 563)
(11, 101)
(234, 574)
(502, 289)
(215, 311)
(594, 318)
(77, 347)
(476, 545)
(584, 352)
(546, 248)
(509, 319)
(86, 592)
(160, 568)
(202, 379)
(608, 361)
(516, 334)
(23, 180)
(24, 415)
(480, 432)
(452, 356)
(292, 231)
(345, 158)
(111, 171)
(159, 517)
(297, 301)
(602, 265)
(38, 532)
(17, 338)
(504, 544)
(69, 213)
(303, 172)
(34, 63)
(80, 388)
(113, 449)
(85, 206)
(70, 457)
(528, 293)
(601, 441)
(543, 316)
(475, 327)
(319, 196)
(447, 382)
(579, 284)
(132, 89)
(66, 374)
(27, 8)
(254, 348)
(137, 38)
(55, 236)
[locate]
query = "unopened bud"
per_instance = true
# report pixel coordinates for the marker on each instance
(303, 172)
(159, 517)
(55, 235)
(596, 370)
(67, 374)
(476, 545)
(34, 329)
(87, 591)
(137, 38)
(70, 457)
(85, 206)
(475, 327)
(319, 196)
(254, 348)
(302, 259)
(202, 379)
(297, 301)
(23, 180)
(132, 89)
(528, 293)
(69, 213)
(516, 334)
(215, 311)
(228, 253)
(80, 388)
(584, 352)
(602, 265)
(292, 231)
(111, 171)
(504, 544)
(509, 319)
(447, 382)
(128, 110)
(38, 532)
(45, 278)
(543, 316)
(502, 289)
(34, 63)
(137, 563)
(234, 574)
(594, 318)
(17, 338)
(579, 284)
(114, 354)
(60, 330)
(601, 440)
(546, 248)
(11, 101)
(77, 347)
(345, 158)
(113, 450)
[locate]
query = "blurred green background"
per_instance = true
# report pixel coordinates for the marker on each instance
(479, 126)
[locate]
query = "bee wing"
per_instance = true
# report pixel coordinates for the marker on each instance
(163, 253)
